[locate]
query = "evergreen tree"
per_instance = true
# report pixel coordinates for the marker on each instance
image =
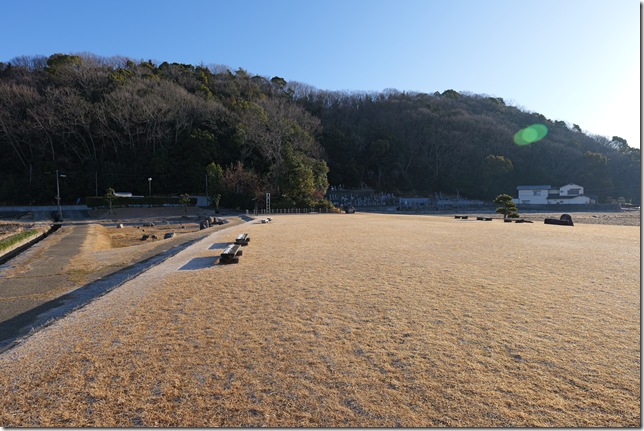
(508, 208)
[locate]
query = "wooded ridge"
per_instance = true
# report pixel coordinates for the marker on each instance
(115, 123)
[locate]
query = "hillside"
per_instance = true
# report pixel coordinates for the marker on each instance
(115, 122)
(453, 142)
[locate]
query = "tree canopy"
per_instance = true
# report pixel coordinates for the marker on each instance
(115, 122)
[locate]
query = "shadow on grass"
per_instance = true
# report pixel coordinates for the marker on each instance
(199, 263)
(219, 245)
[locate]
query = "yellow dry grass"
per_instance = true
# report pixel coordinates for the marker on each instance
(353, 320)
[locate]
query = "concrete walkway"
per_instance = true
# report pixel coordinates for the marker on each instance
(35, 286)
(38, 274)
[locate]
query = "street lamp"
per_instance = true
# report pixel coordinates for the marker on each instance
(149, 186)
(60, 210)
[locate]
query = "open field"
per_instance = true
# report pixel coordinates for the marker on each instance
(353, 320)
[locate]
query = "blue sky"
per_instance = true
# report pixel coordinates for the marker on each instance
(571, 60)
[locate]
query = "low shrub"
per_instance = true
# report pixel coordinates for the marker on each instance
(17, 238)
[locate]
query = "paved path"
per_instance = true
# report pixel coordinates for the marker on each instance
(35, 286)
(43, 276)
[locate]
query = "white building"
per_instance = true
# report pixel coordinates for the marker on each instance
(548, 195)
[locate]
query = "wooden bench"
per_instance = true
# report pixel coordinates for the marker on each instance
(461, 217)
(231, 254)
(484, 218)
(242, 239)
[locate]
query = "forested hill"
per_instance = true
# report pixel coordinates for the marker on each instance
(451, 141)
(115, 122)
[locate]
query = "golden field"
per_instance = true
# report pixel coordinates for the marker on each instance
(352, 320)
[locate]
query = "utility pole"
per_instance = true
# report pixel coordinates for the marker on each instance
(207, 196)
(60, 209)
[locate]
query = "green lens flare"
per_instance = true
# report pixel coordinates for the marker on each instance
(530, 134)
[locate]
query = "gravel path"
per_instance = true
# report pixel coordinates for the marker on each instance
(42, 278)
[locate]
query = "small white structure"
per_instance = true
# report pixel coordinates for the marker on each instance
(548, 195)
(414, 203)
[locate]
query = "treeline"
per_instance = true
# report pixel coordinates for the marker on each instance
(463, 143)
(114, 122)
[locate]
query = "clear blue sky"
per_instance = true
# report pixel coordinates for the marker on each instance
(571, 60)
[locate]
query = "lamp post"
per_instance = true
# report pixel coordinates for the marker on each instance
(60, 209)
(149, 187)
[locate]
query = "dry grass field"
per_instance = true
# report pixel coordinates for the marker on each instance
(352, 320)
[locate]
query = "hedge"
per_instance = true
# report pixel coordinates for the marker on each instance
(17, 238)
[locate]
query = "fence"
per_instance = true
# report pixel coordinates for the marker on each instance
(292, 211)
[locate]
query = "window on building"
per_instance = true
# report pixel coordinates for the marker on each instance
(536, 193)
(574, 191)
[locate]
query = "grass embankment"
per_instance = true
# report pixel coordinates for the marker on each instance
(353, 320)
(16, 239)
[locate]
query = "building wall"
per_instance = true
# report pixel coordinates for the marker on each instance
(535, 197)
(571, 190)
(570, 194)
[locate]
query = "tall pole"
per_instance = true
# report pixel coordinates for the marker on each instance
(149, 187)
(60, 210)
(207, 197)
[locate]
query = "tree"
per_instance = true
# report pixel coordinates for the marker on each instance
(184, 199)
(215, 175)
(216, 199)
(298, 182)
(508, 208)
(320, 180)
(495, 168)
(110, 195)
(243, 185)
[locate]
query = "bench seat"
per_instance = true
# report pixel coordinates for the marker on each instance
(231, 254)
(242, 239)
